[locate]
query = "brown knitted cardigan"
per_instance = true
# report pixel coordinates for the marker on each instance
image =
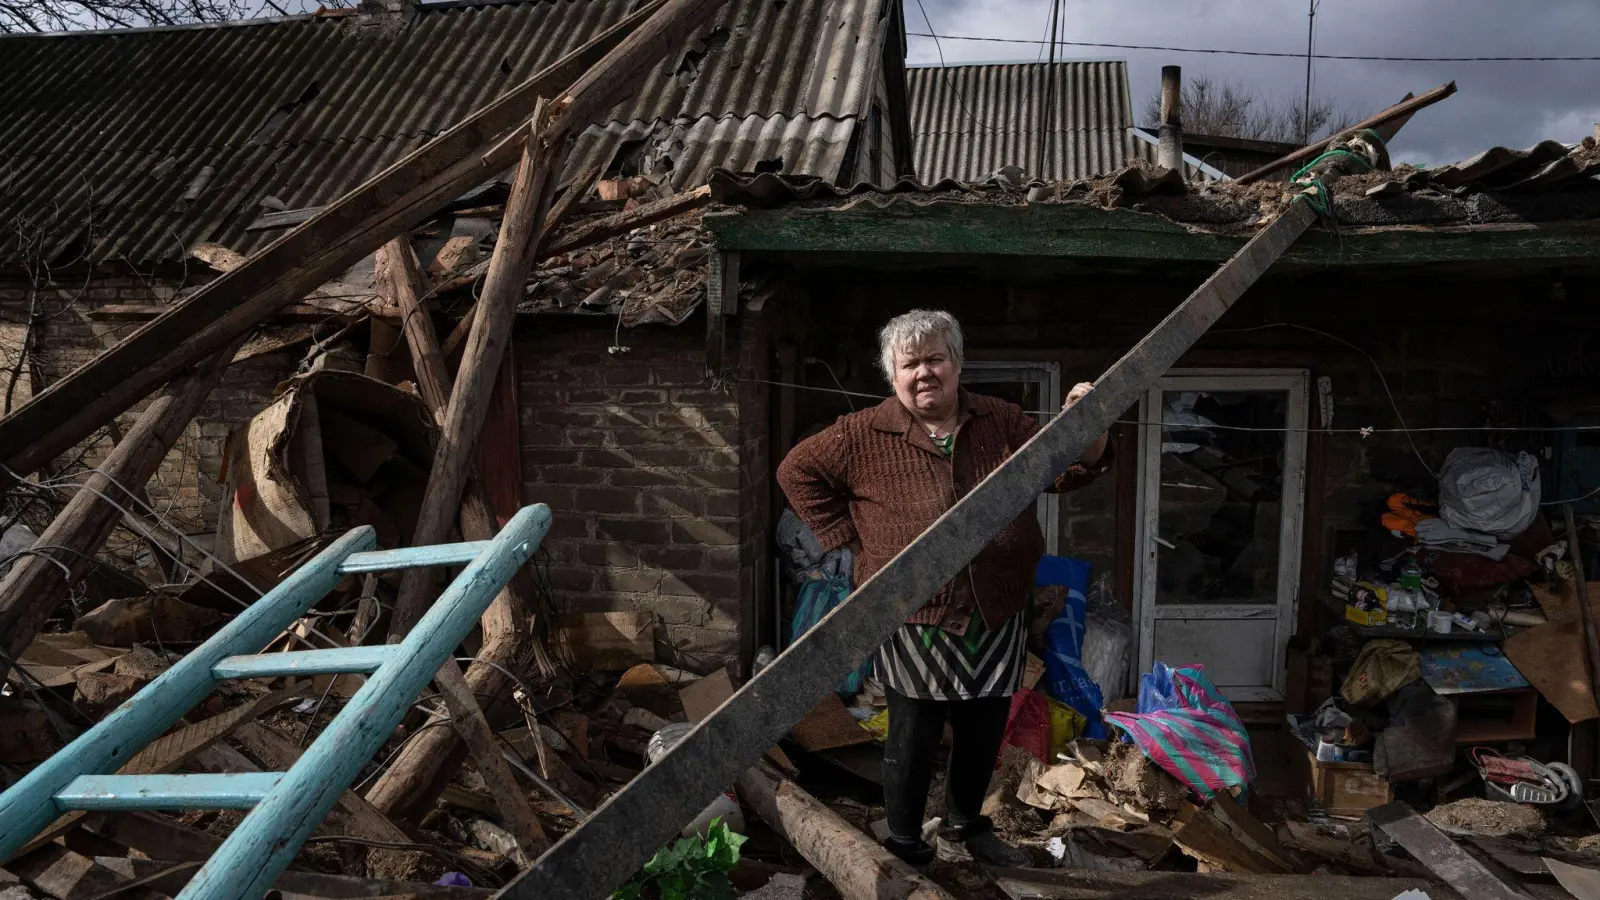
(875, 476)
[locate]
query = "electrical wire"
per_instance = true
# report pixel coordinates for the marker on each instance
(1364, 431)
(1227, 52)
(837, 383)
(63, 482)
(945, 72)
(1375, 367)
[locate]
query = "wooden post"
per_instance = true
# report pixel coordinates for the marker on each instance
(1171, 132)
(413, 780)
(39, 581)
(851, 861)
(520, 231)
(474, 729)
(622, 834)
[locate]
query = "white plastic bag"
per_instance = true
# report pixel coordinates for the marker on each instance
(1486, 490)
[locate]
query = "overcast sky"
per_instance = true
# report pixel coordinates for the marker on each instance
(1513, 104)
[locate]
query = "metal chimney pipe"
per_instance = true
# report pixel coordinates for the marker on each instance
(1170, 155)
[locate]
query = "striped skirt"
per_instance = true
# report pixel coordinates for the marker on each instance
(926, 662)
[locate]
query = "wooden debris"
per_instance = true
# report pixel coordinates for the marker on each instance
(38, 583)
(167, 753)
(628, 220)
(287, 269)
(1581, 882)
(543, 154)
(855, 864)
(358, 817)
(701, 697)
(413, 780)
(469, 722)
(1443, 858)
(1359, 857)
(156, 836)
(133, 620)
(1228, 839)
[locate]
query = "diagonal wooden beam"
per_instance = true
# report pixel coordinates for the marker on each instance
(291, 267)
(610, 846)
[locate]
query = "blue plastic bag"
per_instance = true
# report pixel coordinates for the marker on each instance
(819, 594)
(1156, 692)
(1064, 677)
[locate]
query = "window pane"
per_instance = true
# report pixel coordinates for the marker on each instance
(1221, 496)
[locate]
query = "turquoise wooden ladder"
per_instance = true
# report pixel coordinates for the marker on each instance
(285, 807)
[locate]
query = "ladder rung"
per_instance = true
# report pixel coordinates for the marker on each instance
(336, 661)
(412, 557)
(241, 790)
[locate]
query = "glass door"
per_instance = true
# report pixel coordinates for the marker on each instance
(1221, 489)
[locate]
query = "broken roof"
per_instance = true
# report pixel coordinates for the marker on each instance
(1539, 203)
(969, 121)
(137, 144)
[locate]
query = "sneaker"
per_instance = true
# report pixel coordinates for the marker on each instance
(984, 848)
(915, 853)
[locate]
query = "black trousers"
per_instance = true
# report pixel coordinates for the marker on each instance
(977, 728)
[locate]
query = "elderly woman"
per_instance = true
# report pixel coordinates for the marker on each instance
(876, 480)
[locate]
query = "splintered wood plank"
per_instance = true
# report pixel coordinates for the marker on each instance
(1439, 853)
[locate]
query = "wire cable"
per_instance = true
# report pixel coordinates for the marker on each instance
(945, 72)
(1228, 52)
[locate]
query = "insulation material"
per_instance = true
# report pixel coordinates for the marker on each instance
(336, 450)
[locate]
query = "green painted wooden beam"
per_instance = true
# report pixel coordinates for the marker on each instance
(1069, 230)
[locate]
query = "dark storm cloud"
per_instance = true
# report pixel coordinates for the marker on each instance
(1514, 104)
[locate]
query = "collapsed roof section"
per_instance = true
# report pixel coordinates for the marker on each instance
(136, 145)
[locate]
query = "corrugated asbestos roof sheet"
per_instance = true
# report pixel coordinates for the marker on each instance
(1548, 182)
(969, 121)
(139, 144)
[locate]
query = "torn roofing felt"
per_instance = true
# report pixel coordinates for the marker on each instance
(137, 144)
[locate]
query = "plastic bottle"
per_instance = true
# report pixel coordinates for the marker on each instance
(1411, 574)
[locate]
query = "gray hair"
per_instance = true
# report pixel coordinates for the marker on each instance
(914, 329)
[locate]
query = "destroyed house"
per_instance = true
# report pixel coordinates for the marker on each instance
(136, 165)
(1297, 378)
(1425, 317)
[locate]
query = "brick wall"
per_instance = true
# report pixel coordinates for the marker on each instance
(185, 489)
(656, 477)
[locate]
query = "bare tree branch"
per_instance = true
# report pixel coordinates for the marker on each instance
(1231, 109)
(76, 15)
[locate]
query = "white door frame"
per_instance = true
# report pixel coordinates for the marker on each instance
(1048, 376)
(1296, 382)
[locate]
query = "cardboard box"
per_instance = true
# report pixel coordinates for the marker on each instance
(1343, 789)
